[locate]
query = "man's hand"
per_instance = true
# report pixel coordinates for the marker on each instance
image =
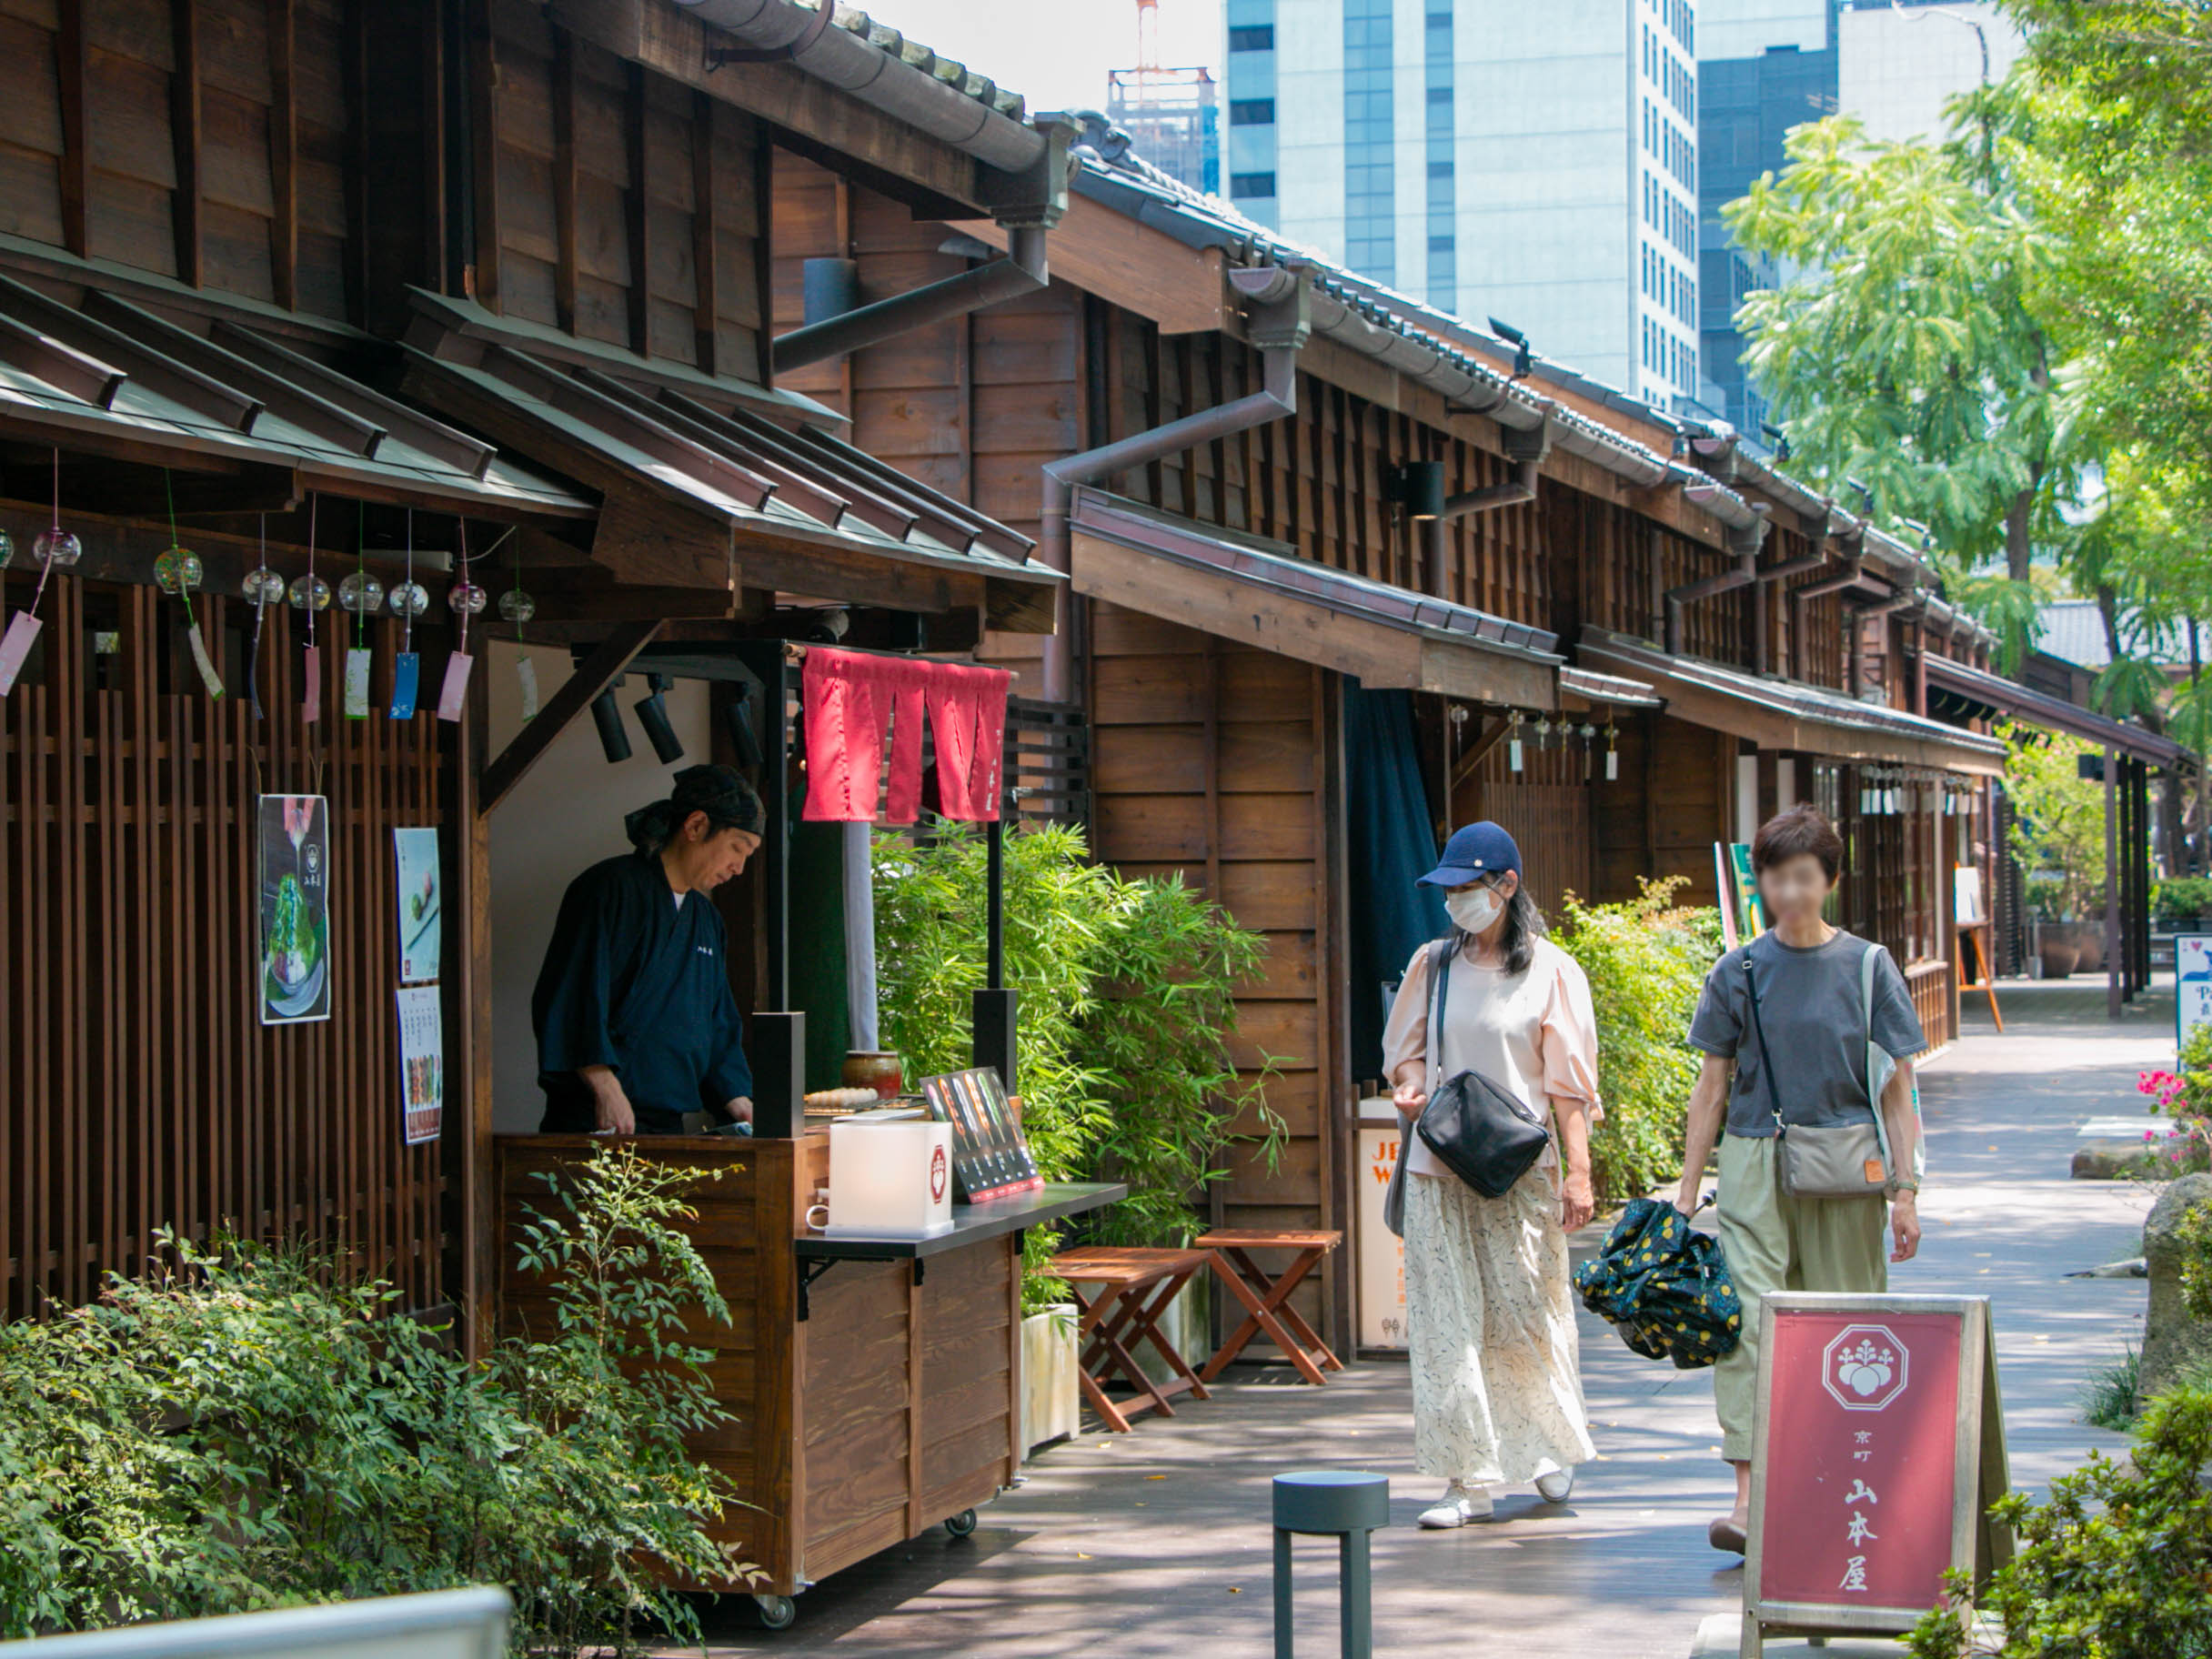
(612, 1105)
(739, 1109)
(1409, 1099)
(1577, 1203)
(1904, 1226)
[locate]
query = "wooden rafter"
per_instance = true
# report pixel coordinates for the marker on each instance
(592, 675)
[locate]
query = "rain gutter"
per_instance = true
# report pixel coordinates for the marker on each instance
(1278, 321)
(1023, 270)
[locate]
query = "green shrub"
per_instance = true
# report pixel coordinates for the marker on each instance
(1647, 960)
(2058, 830)
(2114, 1396)
(2114, 1566)
(2181, 898)
(250, 1430)
(1126, 995)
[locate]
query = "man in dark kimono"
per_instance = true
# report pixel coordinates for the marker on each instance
(635, 1025)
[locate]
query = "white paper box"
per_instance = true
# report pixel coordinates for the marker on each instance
(889, 1181)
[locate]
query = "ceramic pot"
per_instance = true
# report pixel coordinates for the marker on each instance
(874, 1069)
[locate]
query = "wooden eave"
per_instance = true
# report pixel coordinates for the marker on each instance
(1170, 283)
(247, 422)
(1199, 577)
(700, 492)
(1786, 715)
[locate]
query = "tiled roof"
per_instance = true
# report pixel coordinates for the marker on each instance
(2074, 630)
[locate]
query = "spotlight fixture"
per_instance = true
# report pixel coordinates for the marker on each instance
(744, 741)
(606, 714)
(653, 715)
(1865, 495)
(1776, 438)
(1525, 360)
(1419, 488)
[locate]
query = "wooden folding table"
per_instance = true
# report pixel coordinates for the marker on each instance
(1133, 1286)
(1267, 1304)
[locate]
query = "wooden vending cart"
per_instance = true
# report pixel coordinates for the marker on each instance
(876, 1383)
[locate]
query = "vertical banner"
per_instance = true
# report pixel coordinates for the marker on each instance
(2192, 985)
(294, 961)
(415, 853)
(422, 1064)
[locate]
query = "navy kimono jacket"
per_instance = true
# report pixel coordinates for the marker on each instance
(635, 981)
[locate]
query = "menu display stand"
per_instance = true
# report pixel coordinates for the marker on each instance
(990, 1157)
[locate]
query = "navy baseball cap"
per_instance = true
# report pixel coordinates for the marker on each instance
(1477, 851)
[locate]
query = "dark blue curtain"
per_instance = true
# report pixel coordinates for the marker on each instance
(1388, 844)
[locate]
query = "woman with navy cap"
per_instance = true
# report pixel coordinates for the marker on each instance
(1489, 1308)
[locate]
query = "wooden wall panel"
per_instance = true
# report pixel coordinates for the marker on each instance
(145, 1092)
(1546, 808)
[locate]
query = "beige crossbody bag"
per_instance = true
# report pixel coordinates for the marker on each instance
(1833, 1160)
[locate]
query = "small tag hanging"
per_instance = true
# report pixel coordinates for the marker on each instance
(1512, 747)
(1612, 754)
(22, 635)
(406, 673)
(452, 695)
(311, 692)
(525, 672)
(309, 594)
(358, 660)
(200, 660)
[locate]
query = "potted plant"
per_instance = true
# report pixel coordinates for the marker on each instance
(2183, 904)
(1051, 1406)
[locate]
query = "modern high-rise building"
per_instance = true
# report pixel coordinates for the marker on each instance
(1172, 117)
(1533, 164)
(1768, 66)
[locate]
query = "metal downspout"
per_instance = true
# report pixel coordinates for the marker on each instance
(1856, 618)
(1854, 574)
(1280, 328)
(1525, 448)
(1762, 645)
(1022, 271)
(1745, 545)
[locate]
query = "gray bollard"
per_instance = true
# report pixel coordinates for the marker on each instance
(1331, 1504)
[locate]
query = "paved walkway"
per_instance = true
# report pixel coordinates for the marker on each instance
(1157, 1543)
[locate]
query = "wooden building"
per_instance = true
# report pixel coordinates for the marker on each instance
(1587, 590)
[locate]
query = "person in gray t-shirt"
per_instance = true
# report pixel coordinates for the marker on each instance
(1811, 1009)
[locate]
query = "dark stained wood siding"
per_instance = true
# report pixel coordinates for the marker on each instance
(207, 141)
(144, 1092)
(623, 207)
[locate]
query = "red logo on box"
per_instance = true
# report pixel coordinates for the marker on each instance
(936, 1173)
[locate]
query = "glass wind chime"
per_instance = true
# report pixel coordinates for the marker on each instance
(519, 608)
(178, 572)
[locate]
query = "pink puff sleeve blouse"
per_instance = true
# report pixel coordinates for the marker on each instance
(1534, 1034)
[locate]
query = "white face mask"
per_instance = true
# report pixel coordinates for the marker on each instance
(1473, 910)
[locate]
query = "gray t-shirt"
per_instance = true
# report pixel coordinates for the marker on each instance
(1810, 1010)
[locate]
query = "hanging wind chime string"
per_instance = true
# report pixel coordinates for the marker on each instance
(53, 547)
(253, 655)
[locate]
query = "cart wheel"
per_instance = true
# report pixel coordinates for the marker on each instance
(962, 1524)
(777, 1612)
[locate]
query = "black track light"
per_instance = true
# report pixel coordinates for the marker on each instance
(653, 715)
(606, 714)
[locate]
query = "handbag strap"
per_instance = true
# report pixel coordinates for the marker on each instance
(1766, 1056)
(1440, 976)
(1874, 1096)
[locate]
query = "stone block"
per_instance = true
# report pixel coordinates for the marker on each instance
(2171, 1339)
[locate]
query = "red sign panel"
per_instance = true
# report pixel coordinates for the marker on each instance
(1862, 1436)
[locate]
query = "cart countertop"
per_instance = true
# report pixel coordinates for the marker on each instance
(971, 1224)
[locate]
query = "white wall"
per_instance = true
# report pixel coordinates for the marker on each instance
(1896, 69)
(1546, 130)
(565, 815)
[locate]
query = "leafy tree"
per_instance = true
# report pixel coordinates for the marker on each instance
(1908, 353)
(2061, 823)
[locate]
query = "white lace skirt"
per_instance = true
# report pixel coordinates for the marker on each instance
(1490, 1324)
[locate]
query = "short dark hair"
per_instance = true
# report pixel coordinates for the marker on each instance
(1796, 832)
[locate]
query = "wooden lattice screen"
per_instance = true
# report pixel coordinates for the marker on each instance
(140, 1090)
(1047, 762)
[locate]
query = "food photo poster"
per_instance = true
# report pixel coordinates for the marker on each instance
(294, 962)
(415, 852)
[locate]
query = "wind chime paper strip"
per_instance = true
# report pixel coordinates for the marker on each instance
(200, 660)
(526, 674)
(407, 677)
(452, 695)
(15, 648)
(356, 683)
(311, 694)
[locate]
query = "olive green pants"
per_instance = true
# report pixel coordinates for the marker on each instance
(1774, 1242)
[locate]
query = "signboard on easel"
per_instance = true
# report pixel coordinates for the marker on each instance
(2192, 985)
(1880, 1448)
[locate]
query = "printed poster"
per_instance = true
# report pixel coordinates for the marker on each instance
(422, 1064)
(415, 852)
(294, 961)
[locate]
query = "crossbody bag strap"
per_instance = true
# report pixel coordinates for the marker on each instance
(1766, 1055)
(1874, 1096)
(1440, 976)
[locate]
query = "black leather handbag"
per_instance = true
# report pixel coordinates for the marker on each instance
(1477, 1131)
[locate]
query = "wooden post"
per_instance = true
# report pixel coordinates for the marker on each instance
(2112, 882)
